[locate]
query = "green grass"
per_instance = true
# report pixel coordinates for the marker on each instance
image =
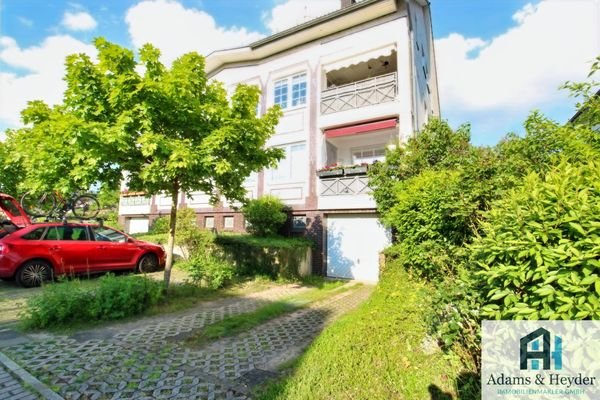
(377, 352)
(240, 323)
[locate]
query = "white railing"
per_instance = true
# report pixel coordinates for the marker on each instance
(380, 89)
(345, 185)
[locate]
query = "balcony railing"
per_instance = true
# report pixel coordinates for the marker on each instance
(380, 89)
(345, 185)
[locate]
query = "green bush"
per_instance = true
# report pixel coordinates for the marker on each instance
(276, 257)
(188, 234)
(265, 215)
(432, 219)
(540, 249)
(159, 225)
(72, 301)
(192, 239)
(209, 270)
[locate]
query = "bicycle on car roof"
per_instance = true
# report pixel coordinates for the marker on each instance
(55, 206)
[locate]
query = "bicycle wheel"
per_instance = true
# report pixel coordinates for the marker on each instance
(38, 205)
(85, 207)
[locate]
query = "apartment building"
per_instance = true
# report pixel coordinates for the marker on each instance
(350, 84)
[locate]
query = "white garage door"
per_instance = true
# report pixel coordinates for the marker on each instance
(138, 225)
(353, 246)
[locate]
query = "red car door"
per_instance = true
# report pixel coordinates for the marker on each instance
(114, 250)
(71, 248)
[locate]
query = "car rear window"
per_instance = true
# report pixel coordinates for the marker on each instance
(35, 234)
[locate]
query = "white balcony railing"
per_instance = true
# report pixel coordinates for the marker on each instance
(345, 185)
(380, 89)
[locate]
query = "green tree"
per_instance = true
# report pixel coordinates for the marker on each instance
(169, 130)
(11, 171)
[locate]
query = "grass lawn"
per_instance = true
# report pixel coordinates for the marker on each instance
(243, 322)
(377, 352)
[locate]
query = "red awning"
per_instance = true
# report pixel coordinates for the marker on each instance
(361, 128)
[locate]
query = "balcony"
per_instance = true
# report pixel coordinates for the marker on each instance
(344, 186)
(133, 204)
(368, 92)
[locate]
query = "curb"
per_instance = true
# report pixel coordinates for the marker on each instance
(29, 379)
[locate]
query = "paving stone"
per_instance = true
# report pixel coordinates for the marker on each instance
(13, 388)
(147, 359)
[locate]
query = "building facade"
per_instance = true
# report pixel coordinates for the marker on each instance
(350, 84)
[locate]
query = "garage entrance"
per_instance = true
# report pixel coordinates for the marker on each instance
(354, 242)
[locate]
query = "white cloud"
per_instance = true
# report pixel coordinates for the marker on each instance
(25, 21)
(78, 21)
(176, 30)
(295, 12)
(44, 66)
(522, 68)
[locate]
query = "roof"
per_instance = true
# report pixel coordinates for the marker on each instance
(582, 110)
(345, 18)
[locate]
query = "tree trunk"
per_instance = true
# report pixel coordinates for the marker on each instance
(172, 226)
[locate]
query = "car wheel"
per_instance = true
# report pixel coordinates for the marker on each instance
(148, 263)
(34, 273)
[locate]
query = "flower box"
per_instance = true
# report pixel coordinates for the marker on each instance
(330, 173)
(356, 170)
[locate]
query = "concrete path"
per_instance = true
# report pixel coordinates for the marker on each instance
(147, 359)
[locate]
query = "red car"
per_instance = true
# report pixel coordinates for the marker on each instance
(32, 253)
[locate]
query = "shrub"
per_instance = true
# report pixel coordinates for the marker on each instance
(265, 215)
(159, 225)
(192, 239)
(432, 218)
(276, 257)
(188, 234)
(539, 256)
(209, 270)
(75, 301)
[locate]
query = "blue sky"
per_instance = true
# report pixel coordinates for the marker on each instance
(497, 59)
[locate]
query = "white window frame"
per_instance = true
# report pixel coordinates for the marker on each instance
(292, 167)
(208, 225)
(289, 82)
(379, 146)
(227, 218)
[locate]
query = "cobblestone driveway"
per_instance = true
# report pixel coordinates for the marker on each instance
(12, 388)
(145, 360)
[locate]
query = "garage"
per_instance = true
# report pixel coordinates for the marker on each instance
(137, 225)
(354, 242)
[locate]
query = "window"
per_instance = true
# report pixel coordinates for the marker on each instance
(292, 167)
(298, 223)
(104, 234)
(66, 233)
(209, 222)
(296, 85)
(368, 155)
(135, 201)
(228, 222)
(281, 93)
(298, 90)
(35, 234)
